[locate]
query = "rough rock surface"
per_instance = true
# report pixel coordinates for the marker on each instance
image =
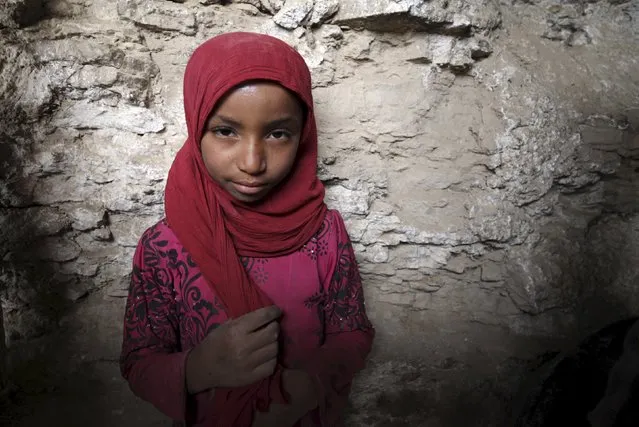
(485, 156)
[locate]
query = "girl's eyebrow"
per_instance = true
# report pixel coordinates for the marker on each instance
(288, 120)
(278, 122)
(227, 120)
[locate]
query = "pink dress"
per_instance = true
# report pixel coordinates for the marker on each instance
(171, 308)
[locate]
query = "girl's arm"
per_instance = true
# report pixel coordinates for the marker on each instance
(348, 331)
(151, 360)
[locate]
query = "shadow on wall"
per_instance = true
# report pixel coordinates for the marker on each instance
(59, 352)
(582, 267)
(603, 262)
(30, 291)
(3, 369)
(610, 271)
(34, 295)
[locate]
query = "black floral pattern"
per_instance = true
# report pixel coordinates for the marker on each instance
(341, 306)
(256, 268)
(157, 317)
(171, 309)
(317, 246)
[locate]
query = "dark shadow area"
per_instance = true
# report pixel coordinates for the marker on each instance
(48, 380)
(576, 383)
(31, 294)
(604, 264)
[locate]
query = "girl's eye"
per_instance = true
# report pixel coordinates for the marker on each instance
(223, 132)
(280, 134)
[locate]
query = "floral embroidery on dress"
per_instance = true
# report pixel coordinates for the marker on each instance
(171, 307)
(151, 285)
(155, 304)
(317, 246)
(341, 306)
(256, 269)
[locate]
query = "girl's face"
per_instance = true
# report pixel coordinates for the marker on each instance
(251, 139)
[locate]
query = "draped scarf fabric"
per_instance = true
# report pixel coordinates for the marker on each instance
(217, 229)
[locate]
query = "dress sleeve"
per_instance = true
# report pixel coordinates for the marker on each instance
(151, 360)
(348, 332)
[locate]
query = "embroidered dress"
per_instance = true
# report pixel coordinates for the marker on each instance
(171, 308)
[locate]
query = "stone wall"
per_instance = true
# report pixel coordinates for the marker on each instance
(484, 154)
(3, 360)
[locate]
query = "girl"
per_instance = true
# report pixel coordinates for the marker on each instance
(245, 307)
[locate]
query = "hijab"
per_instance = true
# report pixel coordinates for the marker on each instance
(217, 229)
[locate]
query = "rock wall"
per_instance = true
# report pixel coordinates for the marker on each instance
(3, 360)
(484, 154)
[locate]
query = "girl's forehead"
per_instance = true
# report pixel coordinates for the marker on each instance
(248, 89)
(251, 88)
(258, 101)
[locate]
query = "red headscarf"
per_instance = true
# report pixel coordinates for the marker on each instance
(214, 227)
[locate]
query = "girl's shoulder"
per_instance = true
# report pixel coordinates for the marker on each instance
(332, 227)
(159, 235)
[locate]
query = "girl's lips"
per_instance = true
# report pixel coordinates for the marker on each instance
(248, 190)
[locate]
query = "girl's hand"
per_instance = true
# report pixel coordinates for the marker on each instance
(237, 353)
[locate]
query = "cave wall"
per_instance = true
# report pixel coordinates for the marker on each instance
(484, 154)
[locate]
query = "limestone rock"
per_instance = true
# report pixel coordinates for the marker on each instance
(90, 76)
(491, 272)
(269, 6)
(127, 233)
(293, 13)
(322, 11)
(331, 35)
(21, 226)
(58, 249)
(479, 48)
(565, 23)
(80, 266)
(72, 49)
(85, 216)
(449, 52)
(358, 49)
(87, 115)
(157, 15)
(102, 234)
(346, 200)
(442, 16)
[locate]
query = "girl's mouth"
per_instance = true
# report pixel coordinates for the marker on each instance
(248, 189)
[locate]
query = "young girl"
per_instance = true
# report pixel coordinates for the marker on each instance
(245, 307)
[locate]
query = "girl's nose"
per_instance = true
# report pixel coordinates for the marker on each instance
(252, 159)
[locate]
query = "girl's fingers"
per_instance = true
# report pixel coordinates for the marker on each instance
(257, 319)
(263, 355)
(265, 369)
(262, 338)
